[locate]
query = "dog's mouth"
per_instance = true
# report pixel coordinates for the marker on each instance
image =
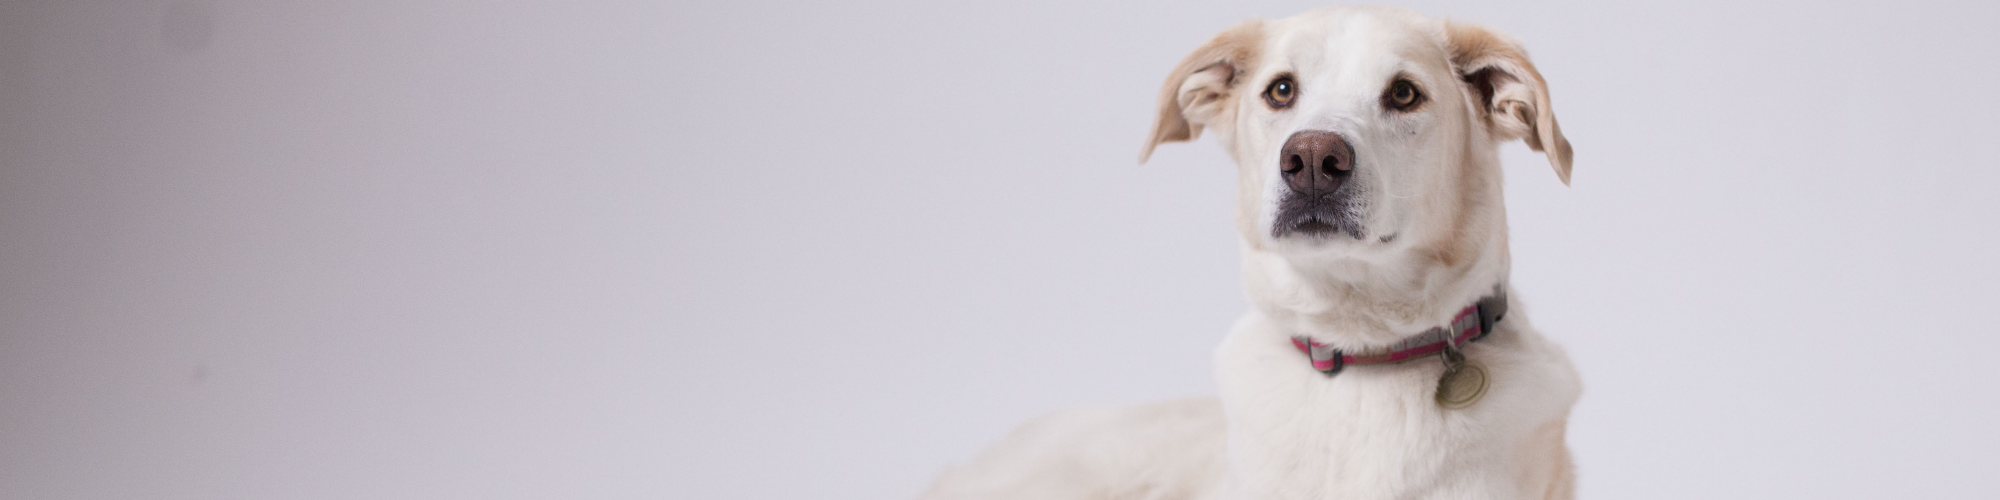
(1318, 216)
(1314, 226)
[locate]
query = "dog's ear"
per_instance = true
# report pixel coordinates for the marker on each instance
(1202, 88)
(1515, 100)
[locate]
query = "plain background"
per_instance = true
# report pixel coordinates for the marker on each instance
(436, 249)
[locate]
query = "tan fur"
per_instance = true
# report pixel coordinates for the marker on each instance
(1458, 245)
(1248, 197)
(1473, 49)
(1229, 54)
(1548, 472)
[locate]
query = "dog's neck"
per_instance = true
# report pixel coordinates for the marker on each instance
(1355, 304)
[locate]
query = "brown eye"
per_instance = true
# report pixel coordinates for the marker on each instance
(1402, 96)
(1281, 92)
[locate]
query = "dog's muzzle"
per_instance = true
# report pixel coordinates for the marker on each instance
(1317, 166)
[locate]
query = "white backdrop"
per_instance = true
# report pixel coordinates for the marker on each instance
(720, 250)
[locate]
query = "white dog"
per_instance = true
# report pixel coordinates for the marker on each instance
(1381, 360)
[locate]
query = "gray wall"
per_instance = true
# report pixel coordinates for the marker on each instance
(430, 249)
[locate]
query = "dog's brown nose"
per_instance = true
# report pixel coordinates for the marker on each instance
(1316, 161)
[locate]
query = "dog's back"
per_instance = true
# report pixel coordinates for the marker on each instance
(1159, 451)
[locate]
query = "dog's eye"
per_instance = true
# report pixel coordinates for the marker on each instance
(1402, 96)
(1281, 92)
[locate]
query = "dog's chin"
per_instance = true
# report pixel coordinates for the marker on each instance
(1315, 228)
(1322, 219)
(1318, 220)
(1315, 235)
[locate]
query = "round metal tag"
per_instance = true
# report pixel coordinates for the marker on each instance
(1461, 387)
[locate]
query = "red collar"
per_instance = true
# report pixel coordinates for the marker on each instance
(1471, 324)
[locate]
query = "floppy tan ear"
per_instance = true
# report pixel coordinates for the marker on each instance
(1200, 91)
(1514, 96)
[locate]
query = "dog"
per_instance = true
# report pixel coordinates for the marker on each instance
(1386, 356)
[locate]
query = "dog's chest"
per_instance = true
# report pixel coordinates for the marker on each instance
(1369, 432)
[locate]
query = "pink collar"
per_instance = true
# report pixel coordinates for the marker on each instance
(1471, 324)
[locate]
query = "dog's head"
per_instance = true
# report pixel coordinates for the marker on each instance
(1366, 142)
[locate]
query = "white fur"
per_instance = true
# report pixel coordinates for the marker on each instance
(1434, 241)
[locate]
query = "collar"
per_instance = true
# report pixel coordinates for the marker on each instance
(1472, 323)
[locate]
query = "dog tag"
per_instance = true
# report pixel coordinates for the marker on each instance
(1463, 382)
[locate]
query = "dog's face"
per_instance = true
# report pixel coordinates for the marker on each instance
(1363, 134)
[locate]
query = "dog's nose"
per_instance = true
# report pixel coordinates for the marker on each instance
(1316, 161)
